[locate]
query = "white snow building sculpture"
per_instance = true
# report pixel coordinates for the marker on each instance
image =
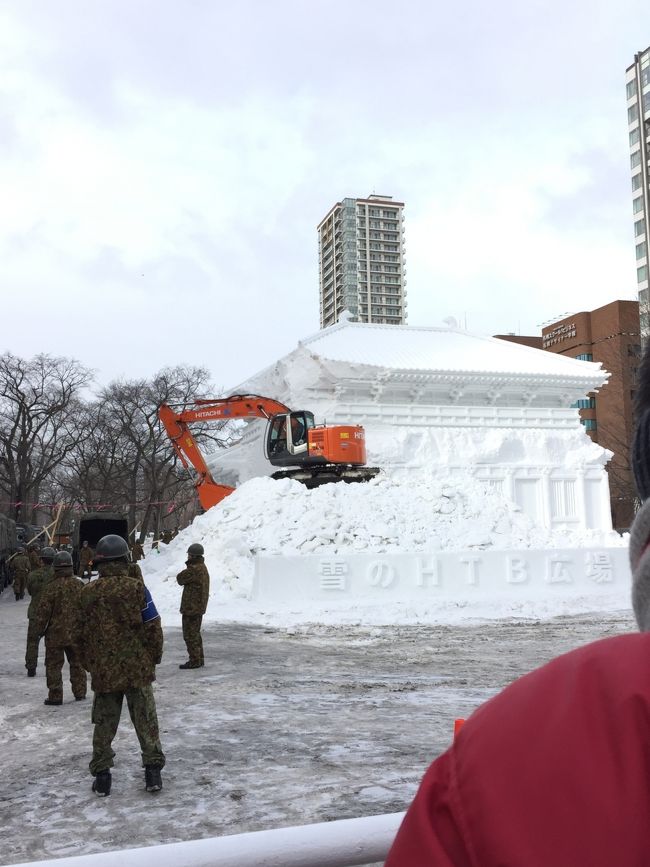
(443, 397)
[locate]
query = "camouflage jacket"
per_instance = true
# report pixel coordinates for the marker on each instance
(36, 580)
(35, 561)
(57, 609)
(120, 637)
(20, 564)
(135, 571)
(195, 581)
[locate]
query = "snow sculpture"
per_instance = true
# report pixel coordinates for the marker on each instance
(445, 399)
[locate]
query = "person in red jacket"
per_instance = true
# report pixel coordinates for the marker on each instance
(554, 771)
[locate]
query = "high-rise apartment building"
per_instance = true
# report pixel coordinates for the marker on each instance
(361, 261)
(638, 117)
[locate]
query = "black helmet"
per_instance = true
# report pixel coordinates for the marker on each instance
(111, 548)
(195, 550)
(48, 554)
(62, 560)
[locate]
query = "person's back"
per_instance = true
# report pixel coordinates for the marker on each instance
(57, 616)
(20, 569)
(552, 772)
(61, 597)
(34, 558)
(121, 642)
(37, 579)
(119, 649)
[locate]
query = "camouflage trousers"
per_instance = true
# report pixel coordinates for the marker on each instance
(192, 636)
(107, 709)
(54, 658)
(33, 640)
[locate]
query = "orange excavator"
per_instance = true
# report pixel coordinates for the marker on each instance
(313, 454)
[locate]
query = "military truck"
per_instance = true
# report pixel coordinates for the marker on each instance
(26, 532)
(91, 526)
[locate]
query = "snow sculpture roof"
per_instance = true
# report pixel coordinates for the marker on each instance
(406, 347)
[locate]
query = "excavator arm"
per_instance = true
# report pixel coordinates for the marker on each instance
(176, 423)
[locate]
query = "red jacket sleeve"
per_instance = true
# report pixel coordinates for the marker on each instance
(430, 835)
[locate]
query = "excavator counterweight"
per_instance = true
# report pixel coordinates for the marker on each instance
(312, 454)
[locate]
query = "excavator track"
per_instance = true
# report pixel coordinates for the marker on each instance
(314, 477)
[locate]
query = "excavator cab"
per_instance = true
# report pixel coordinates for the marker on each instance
(287, 436)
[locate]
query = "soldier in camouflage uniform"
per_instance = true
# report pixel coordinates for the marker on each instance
(57, 617)
(137, 551)
(121, 643)
(20, 569)
(36, 580)
(86, 555)
(195, 582)
(34, 557)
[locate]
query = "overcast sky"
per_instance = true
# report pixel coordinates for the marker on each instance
(164, 165)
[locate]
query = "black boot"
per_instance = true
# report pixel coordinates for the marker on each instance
(31, 672)
(53, 701)
(189, 664)
(102, 784)
(152, 778)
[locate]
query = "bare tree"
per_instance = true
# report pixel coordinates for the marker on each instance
(40, 413)
(156, 481)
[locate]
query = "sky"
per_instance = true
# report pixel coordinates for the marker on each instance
(164, 165)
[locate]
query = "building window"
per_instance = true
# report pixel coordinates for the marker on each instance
(634, 137)
(585, 403)
(585, 356)
(642, 274)
(633, 113)
(639, 228)
(589, 423)
(637, 205)
(641, 250)
(635, 159)
(645, 76)
(636, 181)
(631, 89)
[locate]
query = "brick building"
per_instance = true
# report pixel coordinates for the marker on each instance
(610, 335)
(523, 339)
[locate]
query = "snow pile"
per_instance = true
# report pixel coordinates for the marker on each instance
(386, 515)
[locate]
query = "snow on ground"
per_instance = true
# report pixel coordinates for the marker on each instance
(281, 727)
(427, 512)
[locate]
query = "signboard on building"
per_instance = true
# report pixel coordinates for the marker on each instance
(558, 334)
